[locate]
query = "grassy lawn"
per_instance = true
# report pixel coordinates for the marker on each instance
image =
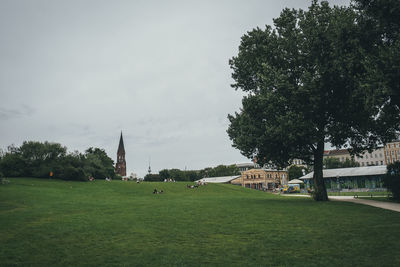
(58, 223)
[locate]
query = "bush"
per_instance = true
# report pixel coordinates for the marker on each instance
(12, 165)
(117, 177)
(392, 179)
(152, 178)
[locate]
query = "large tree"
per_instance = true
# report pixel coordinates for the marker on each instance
(305, 83)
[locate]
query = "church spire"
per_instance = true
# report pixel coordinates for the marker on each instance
(120, 166)
(121, 144)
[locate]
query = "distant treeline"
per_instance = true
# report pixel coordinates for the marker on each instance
(193, 175)
(51, 160)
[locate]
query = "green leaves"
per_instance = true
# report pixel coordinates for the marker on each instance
(314, 79)
(392, 179)
(36, 159)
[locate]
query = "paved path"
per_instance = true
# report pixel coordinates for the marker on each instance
(364, 201)
(374, 203)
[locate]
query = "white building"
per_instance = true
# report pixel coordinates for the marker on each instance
(218, 180)
(375, 158)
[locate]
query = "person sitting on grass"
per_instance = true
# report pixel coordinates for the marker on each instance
(155, 191)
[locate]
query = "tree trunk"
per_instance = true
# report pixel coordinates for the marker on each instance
(319, 185)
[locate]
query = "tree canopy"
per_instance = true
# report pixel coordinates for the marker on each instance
(37, 159)
(305, 82)
(295, 172)
(379, 21)
(392, 179)
(193, 175)
(335, 163)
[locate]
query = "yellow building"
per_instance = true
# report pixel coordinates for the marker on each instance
(261, 179)
(392, 152)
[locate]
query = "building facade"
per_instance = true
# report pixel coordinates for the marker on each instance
(120, 166)
(392, 152)
(298, 163)
(245, 166)
(341, 154)
(375, 158)
(354, 179)
(261, 179)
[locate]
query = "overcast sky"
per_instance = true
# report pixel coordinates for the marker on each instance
(80, 72)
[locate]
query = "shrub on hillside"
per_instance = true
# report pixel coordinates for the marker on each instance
(12, 165)
(152, 178)
(117, 177)
(392, 179)
(72, 173)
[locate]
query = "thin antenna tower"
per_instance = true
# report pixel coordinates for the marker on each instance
(149, 171)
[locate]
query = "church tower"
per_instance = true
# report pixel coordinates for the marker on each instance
(120, 166)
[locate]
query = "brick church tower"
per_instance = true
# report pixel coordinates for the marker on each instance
(120, 166)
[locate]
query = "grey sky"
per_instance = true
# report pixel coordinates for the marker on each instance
(79, 72)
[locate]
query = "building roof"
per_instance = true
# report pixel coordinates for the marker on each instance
(295, 181)
(218, 180)
(347, 172)
(336, 152)
(249, 164)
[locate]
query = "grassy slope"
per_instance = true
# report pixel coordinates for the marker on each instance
(47, 223)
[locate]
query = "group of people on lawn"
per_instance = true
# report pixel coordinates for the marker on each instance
(91, 179)
(199, 183)
(157, 192)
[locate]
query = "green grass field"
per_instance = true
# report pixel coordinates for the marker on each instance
(58, 223)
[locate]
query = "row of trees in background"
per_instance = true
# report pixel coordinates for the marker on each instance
(193, 175)
(45, 160)
(335, 163)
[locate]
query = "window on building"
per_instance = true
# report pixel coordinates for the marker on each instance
(362, 163)
(380, 155)
(381, 162)
(376, 163)
(376, 155)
